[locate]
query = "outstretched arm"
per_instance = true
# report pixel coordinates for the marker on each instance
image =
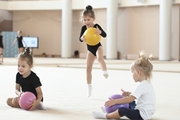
(14, 41)
(24, 43)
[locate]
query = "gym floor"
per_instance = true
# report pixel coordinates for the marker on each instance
(64, 88)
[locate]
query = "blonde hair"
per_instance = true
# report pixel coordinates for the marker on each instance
(144, 64)
(26, 56)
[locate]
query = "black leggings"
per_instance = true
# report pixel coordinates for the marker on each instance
(131, 113)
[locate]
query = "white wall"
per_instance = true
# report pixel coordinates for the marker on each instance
(3, 5)
(76, 4)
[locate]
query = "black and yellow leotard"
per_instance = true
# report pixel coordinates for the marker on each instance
(92, 49)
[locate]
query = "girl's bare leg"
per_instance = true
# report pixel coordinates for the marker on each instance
(100, 59)
(20, 50)
(113, 115)
(1, 55)
(89, 63)
(13, 102)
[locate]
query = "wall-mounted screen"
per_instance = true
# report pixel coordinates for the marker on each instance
(32, 42)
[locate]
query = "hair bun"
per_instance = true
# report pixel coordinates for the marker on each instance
(27, 50)
(89, 7)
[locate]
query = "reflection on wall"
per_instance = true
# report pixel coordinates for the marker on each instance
(44, 24)
(6, 20)
(138, 29)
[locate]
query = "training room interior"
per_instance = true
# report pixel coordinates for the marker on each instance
(132, 26)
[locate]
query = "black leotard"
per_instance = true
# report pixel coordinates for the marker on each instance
(1, 42)
(92, 49)
(20, 44)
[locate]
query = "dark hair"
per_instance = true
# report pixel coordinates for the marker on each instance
(88, 11)
(26, 56)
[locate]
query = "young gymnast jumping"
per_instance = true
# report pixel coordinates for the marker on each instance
(1, 47)
(144, 94)
(96, 51)
(19, 38)
(27, 80)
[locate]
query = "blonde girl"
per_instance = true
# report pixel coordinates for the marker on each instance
(144, 94)
(19, 38)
